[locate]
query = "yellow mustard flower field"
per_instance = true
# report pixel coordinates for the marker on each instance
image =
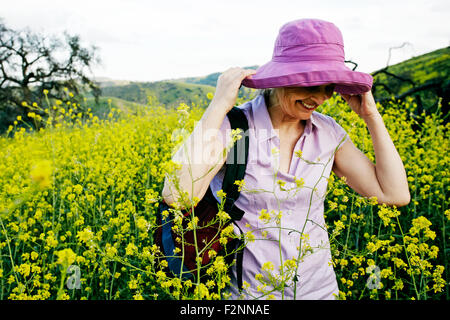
(79, 196)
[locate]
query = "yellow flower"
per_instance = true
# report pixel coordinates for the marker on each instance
(85, 235)
(240, 184)
(193, 223)
(267, 266)
(281, 183)
(332, 205)
(41, 173)
(373, 201)
(34, 255)
(386, 213)
(138, 296)
(165, 214)
(130, 249)
(228, 231)
(133, 284)
(422, 223)
(51, 240)
(339, 225)
(221, 194)
(142, 224)
(299, 182)
(78, 189)
(250, 236)
(66, 257)
(290, 264)
(223, 216)
(212, 253)
(24, 269)
(343, 262)
(201, 291)
(264, 216)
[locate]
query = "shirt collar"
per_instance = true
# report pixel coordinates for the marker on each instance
(262, 121)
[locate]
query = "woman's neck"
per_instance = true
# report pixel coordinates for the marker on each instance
(281, 121)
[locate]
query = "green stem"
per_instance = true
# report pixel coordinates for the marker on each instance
(61, 286)
(444, 244)
(9, 250)
(407, 259)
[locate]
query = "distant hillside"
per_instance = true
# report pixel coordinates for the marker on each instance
(210, 80)
(167, 93)
(425, 77)
(108, 82)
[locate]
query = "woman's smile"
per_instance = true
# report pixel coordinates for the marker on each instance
(309, 107)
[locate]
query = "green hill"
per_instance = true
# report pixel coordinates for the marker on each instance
(210, 80)
(167, 93)
(425, 78)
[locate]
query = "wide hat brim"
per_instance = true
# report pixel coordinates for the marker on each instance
(310, 73)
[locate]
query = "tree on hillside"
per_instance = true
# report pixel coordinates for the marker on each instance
(31, 63)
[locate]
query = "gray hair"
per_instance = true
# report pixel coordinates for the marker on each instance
(272, 95)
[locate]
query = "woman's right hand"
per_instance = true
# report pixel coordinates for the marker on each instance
(228, 85)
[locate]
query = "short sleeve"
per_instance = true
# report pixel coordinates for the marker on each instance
(340, 134)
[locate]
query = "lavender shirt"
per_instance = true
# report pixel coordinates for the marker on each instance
(303, 208)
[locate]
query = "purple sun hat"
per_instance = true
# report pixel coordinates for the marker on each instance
(309, 52)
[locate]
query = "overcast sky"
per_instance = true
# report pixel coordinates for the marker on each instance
(158, 40)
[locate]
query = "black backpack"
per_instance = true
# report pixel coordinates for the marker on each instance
(206, 210)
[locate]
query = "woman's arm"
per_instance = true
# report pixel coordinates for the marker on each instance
(386, 179)
(201, 155)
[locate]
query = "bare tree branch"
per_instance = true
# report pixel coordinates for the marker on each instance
(31, 62)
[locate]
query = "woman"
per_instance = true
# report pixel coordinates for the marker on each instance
(293, 145)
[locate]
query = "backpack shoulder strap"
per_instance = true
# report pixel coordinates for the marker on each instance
(236, 162)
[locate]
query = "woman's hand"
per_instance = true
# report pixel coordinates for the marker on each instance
(228, 86)
(363, 104)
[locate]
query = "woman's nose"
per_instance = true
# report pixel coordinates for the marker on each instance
(323, 94)
(320, 98)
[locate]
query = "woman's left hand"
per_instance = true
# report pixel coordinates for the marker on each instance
(363, 104)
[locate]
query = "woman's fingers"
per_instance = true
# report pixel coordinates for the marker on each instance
(228, 85)
(363, 104)
(249, 72)
(237, 74)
